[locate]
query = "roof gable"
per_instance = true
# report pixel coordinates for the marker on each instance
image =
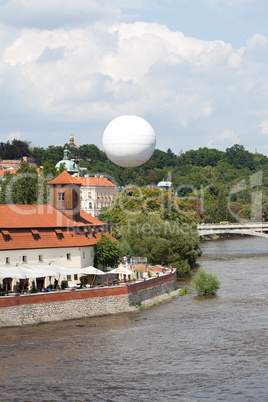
(65, 178)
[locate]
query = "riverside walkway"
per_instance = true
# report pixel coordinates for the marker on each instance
(249, 228)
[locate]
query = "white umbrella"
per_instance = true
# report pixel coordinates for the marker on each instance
(51, 270)
(14, 272)
(91, 271)
(120, 270)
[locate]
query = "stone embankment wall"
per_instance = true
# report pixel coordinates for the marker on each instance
(56, 306)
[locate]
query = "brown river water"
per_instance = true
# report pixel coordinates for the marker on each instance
(189, 349)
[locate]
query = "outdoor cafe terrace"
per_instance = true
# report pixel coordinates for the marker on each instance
(26, 279)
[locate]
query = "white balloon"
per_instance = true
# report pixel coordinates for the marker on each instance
(129, 141)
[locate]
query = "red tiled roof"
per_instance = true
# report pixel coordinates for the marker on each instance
(64, 178)
(40, 216)
(88, 219)
(20, 240)
(42, 226)
(3, 171)
(95, 181)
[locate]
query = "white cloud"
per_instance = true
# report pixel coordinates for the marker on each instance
(81, 78)
(71, 70)
(257, 40)
(12, 136)
(224, 139)
(264, 127)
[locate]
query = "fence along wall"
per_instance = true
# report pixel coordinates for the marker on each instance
(36, 308)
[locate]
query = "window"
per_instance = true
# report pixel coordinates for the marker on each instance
(7, 260)
(69, 277)
(40, 258)
(35, 234)
(90, 205)
(6, 235)
(84, 254)
(59, 234)
(75, 277)
(61, 196)
(24, 258)
(68, 256)
(89, 194)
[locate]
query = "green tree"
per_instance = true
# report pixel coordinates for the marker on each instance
(15, 149)
(222, 212)
(239, 157)
(205, 283)
(162, 242)
(106, 252)
(22, 187)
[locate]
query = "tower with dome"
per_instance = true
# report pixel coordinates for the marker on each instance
(71, 142)
(70, 166)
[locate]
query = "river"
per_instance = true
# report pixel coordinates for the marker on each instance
(189, 349)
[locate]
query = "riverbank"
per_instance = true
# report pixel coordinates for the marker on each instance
(70, 304)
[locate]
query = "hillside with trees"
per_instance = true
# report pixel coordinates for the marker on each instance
(217, 185)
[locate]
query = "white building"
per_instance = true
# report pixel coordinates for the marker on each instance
(96, 192)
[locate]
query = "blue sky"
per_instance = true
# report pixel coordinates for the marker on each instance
(196, 70)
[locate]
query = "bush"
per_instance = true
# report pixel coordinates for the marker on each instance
(183, 292)
(205, 283)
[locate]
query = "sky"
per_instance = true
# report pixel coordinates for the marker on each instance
(196, 70)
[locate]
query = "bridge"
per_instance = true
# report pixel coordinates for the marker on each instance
(249, 228)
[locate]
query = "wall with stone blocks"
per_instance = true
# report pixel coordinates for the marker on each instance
(32, 309)
(65, 310)
(149, 293)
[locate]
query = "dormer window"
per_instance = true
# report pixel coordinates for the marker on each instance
(61, 196)
(59, 234)
(35, 234)
(6, 235)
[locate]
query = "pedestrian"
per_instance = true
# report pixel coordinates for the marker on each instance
(55, 283)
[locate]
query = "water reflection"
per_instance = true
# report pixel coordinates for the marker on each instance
(190, 349)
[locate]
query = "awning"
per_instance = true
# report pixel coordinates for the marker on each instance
(26, 271)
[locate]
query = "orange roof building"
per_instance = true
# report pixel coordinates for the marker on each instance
(58, 234)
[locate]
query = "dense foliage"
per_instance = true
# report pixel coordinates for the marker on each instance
(205, 283)
(27, 185)
(15, 149)
(155, 224)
